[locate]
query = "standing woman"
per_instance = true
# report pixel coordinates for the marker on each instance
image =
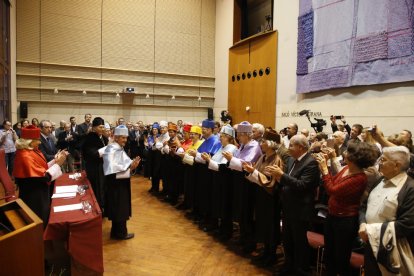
(95, 140)
(153, 166)
(222, 188)
(345, 190)
(35, 122)
(23, 123)
(267, 205)
(33, 174)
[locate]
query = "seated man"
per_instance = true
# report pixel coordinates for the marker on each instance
(387, 217)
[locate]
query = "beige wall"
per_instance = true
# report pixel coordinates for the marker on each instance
(161, 48)
(223, 40)
(389, 105)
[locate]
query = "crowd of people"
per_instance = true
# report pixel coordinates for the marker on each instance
(243, 181)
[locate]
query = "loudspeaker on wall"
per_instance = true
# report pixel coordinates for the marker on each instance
(210, 114)
(23, 110)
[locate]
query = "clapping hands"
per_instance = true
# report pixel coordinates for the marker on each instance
(206, 156)
(274, 171)
(228, 155)
(135, 163)
(248, 167)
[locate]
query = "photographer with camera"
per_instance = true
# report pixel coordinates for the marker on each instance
(7, 138)
(353, 132)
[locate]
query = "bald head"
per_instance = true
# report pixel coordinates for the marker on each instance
(298, 146)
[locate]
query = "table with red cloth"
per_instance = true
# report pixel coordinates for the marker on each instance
(83, 231)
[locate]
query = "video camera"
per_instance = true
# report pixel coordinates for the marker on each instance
(320, 123)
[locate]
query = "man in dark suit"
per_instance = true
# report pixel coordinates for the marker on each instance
(67, 140)
(297, 184)
(47, 146)
(84, 128)
(133, 140)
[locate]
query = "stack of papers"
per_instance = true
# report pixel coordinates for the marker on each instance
(64, 195)
(70, 207)
(67, 189)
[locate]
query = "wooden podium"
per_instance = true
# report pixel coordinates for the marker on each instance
(21, 240)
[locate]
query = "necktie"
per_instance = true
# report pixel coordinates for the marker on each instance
(293, 166)
(49, 142)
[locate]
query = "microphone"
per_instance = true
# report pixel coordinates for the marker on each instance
(304, 112)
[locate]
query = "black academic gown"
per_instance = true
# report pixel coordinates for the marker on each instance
(94, 164)
(222, 192)
(34, 191)
(118, 198)
(189, 185)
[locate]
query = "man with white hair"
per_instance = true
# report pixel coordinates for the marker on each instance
(117, 170)
(257, 131)
(387, 217)
(243, 192)
(339, 142)
(297, 185)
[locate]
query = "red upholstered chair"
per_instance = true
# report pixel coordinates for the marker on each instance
(9, 188)
(317, 241)
(357, 262)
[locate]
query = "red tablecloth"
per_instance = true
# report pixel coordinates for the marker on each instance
(82, 231)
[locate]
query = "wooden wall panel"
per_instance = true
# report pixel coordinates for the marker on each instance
(158, 47)
(128, 34)
(28, 31)
(71, 32)
(258, 93)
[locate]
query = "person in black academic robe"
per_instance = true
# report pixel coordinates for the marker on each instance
(117, 170)
(93, 161)
(267, 203)
(172, 161)
(221, 185)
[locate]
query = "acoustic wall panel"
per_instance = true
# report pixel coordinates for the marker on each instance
(104, 46)
(28, 30)
(128, 34)
(71, 32)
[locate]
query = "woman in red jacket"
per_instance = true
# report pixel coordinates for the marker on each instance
(345, 190)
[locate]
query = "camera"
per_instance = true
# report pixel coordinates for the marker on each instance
(338, 117)
(318, 126)
(371, 129)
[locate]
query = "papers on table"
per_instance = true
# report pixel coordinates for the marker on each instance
(75, 176)
(64, 195)
(70, 207)
(67, 189)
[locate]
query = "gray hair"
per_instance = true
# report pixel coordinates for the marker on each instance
(301, 140)
(42, 122)
(272, 144)
(399, 154)
(23, 144)
(340, 134)
(260, 128)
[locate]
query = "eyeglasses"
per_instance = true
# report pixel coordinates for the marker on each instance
(383, 160)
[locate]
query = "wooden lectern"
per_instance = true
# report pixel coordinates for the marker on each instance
(21, 240)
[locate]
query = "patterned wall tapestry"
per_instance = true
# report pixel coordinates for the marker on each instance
(344, 43)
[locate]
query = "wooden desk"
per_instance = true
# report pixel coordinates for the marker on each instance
(83, 231)
(21, 246)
